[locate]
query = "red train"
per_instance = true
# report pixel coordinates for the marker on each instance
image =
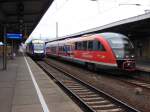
(104, 50)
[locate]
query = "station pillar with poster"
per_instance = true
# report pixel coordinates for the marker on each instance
(13, 37)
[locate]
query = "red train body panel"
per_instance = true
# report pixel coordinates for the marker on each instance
(104, 50)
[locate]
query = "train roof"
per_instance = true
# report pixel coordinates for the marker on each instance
(108, 35)
(37, 41)
(105, 35)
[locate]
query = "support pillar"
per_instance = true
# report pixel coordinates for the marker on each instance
(4, 49)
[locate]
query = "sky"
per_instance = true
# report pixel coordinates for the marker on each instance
(73, 16)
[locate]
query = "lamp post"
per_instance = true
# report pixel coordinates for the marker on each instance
(56, 30)
(56, 7)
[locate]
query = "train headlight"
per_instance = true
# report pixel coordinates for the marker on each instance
(126, 56)
(132, 56)
(128, 64)
(117, 56)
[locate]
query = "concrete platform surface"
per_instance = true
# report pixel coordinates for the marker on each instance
(19, 93)
(1, 62)
(143, 65)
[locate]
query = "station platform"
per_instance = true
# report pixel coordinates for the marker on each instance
(1, 62)
(24, 87)
(143, 65)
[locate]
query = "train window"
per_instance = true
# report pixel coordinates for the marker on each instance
(84, 45)
(98, 46)
(59, 48)
(53, 49)
(78, 45)
(65, 48)
(39, 46)
(120, 43)
(72, 48)
(90, 45)
(68, 47)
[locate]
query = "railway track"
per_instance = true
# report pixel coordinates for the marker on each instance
(133, 81)
(136, 82)
(88, 96)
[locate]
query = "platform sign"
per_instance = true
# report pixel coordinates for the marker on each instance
(14, 36)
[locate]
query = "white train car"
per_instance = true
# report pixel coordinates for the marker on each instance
(36, 49)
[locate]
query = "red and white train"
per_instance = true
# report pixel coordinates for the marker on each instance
(104, 50)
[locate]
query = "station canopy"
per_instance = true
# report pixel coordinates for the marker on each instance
(21, 16)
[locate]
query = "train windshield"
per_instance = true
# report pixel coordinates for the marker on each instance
(38, 46)
(122, 47)
(120, 43)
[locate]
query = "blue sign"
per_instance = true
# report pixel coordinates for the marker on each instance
(14, 36)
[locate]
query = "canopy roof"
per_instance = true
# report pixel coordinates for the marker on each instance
(22, 16)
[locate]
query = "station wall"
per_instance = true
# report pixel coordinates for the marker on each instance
(8, 50)
(1, 50)
(142, 48)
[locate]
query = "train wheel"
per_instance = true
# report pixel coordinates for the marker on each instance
(91, 66)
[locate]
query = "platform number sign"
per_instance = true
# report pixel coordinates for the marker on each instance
(17, 36)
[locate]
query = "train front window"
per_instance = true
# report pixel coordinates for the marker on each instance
(122, 47)
(121, 43)
(38, 46)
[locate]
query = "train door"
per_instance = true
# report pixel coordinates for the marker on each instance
(85, 53)
(99, 52)
(78, 50)
(72, 48)
(68, 50)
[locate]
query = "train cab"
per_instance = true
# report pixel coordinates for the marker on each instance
(123, 50)
(36, 48)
